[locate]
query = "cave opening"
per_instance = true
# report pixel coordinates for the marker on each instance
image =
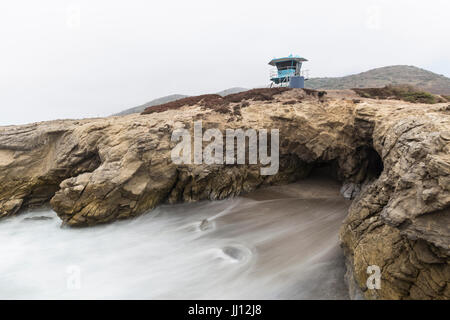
(375, 165)
(366, 167)
(370, 167)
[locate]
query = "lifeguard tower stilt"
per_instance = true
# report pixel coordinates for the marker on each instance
(288, 72)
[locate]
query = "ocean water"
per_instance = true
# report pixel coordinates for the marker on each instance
(279, 242)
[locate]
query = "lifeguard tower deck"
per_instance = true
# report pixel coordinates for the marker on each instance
(288, 72)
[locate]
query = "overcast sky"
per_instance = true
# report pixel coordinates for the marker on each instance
(75, 59)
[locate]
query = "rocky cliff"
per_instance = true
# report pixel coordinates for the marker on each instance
(401, 221)
(99, 170)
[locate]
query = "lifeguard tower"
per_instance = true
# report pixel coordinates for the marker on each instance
(288, 72)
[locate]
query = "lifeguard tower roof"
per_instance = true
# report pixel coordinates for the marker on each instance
(274, 61)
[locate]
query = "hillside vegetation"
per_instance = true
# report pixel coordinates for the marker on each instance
(401, 92)
(380, 77)
(155, 102)
(171, 98)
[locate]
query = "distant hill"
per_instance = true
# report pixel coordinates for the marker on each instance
(171, 98)
(231, 91)
(392, 75)
(155, 102)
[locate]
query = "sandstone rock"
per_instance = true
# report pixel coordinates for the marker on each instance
(400, 222)
(100, 170)
(38, 218)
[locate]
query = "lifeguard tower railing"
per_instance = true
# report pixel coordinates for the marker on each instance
(282, 75)
(288, 72)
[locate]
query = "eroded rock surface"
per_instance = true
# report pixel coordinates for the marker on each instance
(99, 170)
(401, 221)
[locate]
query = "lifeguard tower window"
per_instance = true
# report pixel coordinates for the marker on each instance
(286, 65)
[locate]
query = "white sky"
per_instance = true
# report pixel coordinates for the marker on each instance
(75, 59)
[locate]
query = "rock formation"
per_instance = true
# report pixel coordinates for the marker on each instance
(401, 221)
(396, 153)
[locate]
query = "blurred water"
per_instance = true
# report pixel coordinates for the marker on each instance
(276, 243)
